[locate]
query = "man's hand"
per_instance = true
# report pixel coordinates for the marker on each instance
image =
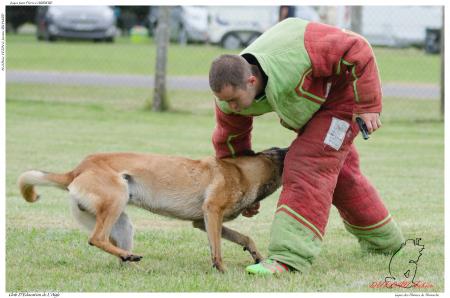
(251, 210)
(372, 120)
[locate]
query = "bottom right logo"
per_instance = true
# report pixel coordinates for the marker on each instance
(403, 264)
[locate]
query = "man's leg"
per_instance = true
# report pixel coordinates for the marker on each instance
(310, 174)
(363, 211)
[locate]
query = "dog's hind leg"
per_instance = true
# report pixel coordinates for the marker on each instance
(121, 233)
(106, 198)
(235, 237)
(85, 218)
(106, 217)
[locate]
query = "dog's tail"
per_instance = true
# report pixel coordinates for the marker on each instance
(29, 179)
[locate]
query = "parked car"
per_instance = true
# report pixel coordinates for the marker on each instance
(433, 40)
(76, 22)
(187, 23)
(232, 28)
(400, 26)
(307, 13)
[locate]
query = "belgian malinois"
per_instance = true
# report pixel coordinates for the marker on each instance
(207, 191)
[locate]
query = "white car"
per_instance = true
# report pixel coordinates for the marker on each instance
(235, 27)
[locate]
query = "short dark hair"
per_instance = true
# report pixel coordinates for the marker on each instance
(229, 70)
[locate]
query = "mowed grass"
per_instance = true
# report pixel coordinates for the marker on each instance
(53, 127)
(24, 52)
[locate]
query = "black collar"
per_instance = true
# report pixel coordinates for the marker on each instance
(253, 61)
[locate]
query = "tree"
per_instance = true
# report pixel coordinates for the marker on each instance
(162, 43)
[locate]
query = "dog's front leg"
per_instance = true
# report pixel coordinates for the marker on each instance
(213, 223)
(245, 241)
(236, 237)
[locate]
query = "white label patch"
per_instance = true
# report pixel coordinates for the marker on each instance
(336, 133)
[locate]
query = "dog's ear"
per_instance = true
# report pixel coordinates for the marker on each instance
(283, 152)
(277, 155)
(275, 152)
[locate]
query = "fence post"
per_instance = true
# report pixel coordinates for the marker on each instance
(356, 19)
(443, 64)
(162, 41)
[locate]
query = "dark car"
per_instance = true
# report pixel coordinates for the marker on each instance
(76, 22)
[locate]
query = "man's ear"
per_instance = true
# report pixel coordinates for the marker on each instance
(252, 80)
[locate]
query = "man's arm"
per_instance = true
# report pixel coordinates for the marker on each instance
(334, 51)
(232, 135)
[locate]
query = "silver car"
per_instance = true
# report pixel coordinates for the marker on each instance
(76, 22)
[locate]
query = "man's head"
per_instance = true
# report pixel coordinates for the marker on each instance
(232, 80)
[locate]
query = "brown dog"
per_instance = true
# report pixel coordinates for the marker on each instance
(207, 191)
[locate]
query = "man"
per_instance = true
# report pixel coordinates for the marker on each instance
(317, 79)
(286, 11)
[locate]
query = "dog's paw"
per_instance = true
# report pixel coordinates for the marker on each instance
(255, 254)
(134, 258)
(219, 267)
(131, 258)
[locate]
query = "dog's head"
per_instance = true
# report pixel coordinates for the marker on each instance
(276, 155)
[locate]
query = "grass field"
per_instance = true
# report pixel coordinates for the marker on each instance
(25, 53)
(54, 127)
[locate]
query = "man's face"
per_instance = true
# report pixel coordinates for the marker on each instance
(237, 98)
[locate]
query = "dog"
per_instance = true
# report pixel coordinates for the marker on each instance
(207, 192)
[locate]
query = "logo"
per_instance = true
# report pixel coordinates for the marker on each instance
(404, 262)
(403, 267)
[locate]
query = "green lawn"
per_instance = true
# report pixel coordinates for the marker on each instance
(53, 127)
(24, 52)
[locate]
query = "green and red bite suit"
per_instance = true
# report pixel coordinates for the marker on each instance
(318, 77)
